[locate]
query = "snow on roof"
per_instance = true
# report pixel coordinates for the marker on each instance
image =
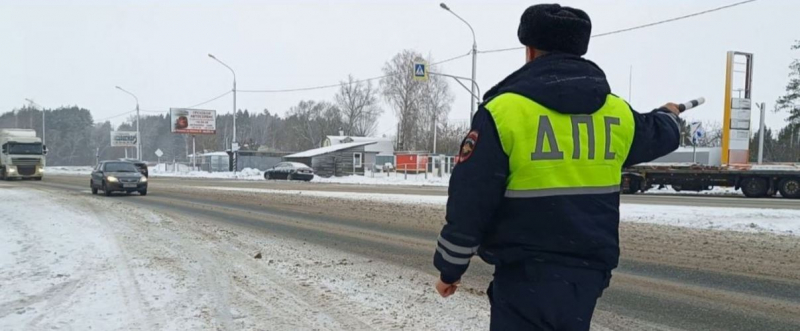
(328, 149)
(336, 140)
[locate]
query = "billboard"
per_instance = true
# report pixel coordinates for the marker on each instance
(123, 139)
(193, 121)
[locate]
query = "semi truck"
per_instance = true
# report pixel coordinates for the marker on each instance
(754, 180)
(22, 155)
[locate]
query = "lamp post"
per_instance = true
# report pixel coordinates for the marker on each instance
(138, 133)
(233, 141)
(474, 99)
(43, 126)
(234, 144)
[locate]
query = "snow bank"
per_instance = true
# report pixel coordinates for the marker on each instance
(158, 171)
(245, 174)
(68, 170)
(397, 179)
(717, 190)
(779, 221)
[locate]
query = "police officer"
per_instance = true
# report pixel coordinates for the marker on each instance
(536, 189)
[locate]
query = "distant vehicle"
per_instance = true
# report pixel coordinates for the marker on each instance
(22, 156)
(141, 165)
(755, 181)
(290, 171)
(117, 176)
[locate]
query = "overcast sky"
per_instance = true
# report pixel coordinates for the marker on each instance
(75, 52)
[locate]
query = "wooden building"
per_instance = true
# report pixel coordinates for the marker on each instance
(336, 160)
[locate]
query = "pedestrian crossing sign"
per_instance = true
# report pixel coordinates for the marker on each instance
(420, 71)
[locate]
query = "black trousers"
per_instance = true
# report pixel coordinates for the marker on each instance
(536, 296)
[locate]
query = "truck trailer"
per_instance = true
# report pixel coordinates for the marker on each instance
(754, 180)
(22, 155)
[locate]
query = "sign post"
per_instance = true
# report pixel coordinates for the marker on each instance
(697, 132)
(159, 154)
(736, 122)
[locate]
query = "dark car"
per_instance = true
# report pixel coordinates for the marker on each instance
(141, 165)
(290, 171)
(117, 176)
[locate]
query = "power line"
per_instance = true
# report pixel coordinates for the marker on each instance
(640, 26)
(115, 116)
(320, 87)
(453, 58)
(312, 87)
(210, 100)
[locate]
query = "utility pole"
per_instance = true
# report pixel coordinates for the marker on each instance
(138, 133)
(234, 144)
(761, 129)
(36, 105)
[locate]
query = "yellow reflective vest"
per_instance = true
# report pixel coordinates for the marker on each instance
(553, 154)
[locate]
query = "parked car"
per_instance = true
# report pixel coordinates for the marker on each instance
(290, 171)
(117, 176)
(141, 165)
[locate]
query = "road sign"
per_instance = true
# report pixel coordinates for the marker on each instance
(123, 138)
(420, 71)
(235, 146)
(697, 131)
(159, 153)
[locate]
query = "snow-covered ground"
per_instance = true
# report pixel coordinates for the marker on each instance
(778, 221)
(82, 262)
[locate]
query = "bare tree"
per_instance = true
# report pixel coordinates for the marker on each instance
(450, 136)
(415, 103)
(358, 103)
(309, 122)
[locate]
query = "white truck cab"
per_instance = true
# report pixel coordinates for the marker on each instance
(22, 155)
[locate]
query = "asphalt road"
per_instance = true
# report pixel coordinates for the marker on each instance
(657, 291)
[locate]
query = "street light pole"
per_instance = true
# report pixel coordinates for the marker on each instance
(43, 126)
(473, 99)
(138, 133)
(234, 96)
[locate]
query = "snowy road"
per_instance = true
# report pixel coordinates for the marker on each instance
(343, 265)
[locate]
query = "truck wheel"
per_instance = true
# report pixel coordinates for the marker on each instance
(634, 184)
(790, 188)
(754, 187)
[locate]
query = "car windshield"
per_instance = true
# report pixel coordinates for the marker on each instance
(25, 148)
(120, 167)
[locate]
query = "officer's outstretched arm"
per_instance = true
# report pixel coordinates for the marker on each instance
(657, 134)
(477, 187)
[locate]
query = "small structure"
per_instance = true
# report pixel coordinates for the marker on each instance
(378, 154)
(411, 162)
(336, 160)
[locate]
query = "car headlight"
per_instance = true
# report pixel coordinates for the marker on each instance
(111, 179)
(143, 179)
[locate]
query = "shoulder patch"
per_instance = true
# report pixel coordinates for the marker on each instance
(468, 146)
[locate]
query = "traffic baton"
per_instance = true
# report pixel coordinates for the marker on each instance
(691, 104)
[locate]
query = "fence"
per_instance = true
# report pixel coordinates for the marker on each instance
(426, 166)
